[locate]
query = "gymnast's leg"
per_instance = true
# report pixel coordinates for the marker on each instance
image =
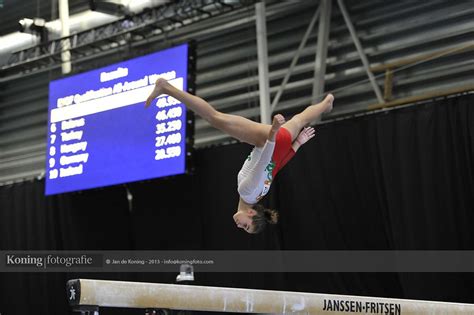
(295, 124)
(238, 127)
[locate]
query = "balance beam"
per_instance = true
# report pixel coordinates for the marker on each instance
(102, 293)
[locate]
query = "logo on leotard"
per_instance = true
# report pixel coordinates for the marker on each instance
(266, 188)
(269, 170)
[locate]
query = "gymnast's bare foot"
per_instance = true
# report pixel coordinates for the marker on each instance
(160, 86)
(278, 121)
(328, 100)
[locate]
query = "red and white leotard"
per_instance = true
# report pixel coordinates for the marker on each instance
(262, 165)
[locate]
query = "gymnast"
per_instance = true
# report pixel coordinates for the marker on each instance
(274, 145)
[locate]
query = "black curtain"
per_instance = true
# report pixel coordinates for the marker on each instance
(397, 180)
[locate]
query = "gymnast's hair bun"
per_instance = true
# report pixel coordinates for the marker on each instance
(271, 216)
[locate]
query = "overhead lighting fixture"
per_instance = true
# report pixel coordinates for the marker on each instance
(31, 26)
(112, 7)
(35, 26)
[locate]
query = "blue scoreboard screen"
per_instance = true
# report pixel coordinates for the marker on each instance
(100, 133)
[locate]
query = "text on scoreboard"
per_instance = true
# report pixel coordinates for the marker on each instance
(100, 133)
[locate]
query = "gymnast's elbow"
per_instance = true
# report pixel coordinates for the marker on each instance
(244, 192)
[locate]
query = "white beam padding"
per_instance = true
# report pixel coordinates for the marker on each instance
(104, 293)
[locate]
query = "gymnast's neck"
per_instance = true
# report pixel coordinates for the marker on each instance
(244, 205)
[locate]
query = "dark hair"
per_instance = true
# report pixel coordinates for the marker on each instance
(263, 217)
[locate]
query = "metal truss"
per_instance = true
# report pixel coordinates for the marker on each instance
(125, 31)
(324, 14)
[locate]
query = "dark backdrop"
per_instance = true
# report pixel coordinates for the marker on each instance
(401, 179)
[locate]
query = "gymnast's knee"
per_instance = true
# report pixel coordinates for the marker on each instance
(295, 124)
(301, 120)
(214, 118)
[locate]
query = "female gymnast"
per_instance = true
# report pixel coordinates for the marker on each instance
(274, 145)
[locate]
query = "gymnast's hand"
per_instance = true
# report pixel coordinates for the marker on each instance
(278, 121)
(305, 135)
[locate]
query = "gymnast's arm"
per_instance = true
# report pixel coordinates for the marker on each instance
(253, 176)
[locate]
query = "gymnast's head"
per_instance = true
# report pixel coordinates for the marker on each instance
(255, 220)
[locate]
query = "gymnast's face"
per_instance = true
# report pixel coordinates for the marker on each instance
(243, 220)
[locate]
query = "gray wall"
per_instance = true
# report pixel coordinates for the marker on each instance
(227, 67)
